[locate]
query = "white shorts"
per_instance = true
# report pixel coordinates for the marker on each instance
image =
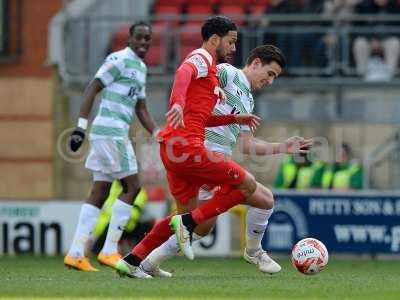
(111, 159)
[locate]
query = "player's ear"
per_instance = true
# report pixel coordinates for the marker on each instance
(256, 63)
(215, 39)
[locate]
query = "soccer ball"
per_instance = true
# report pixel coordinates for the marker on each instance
(309, 256)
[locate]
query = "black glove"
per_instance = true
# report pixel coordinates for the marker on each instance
(76, 139)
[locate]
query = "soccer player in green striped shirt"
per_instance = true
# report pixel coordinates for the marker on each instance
(264, 64)
(122, 83)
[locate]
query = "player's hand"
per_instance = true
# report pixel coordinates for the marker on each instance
(76, 139)
(250, 120)
(297, 144)
(175, 116)
(221, 95)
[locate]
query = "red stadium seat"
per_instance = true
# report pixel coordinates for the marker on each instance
(198, 13)
(168, 14)
(167, 9)
(158, 52)
(201, 2)
(258, 2)
(119, 39)
(189, 39)
(257, 10)
(234, 2)
(235, 12)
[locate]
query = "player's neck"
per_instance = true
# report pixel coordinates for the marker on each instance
(210, 49)
(246, 73)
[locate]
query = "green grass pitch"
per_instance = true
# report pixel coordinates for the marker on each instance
(217, 278)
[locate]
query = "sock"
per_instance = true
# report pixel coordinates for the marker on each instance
(132, 259)
(166, 251)
(87, 219)
(257, 221)
(220, 203)
(188, 221)
(120, 215)
(160, 232)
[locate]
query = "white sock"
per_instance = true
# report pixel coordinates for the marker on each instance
(166, 251)
(120, 215)
(87, 219)
(257, 221)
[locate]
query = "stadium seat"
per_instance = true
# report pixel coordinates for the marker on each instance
(195, 12)
(201, 2)
(159, 49)
(167, 14)
(189, 39)
(234, 2)
(235, 12)
(257, 10)
(119, 39)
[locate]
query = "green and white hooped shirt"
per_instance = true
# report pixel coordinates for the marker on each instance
(124, 76)
(239, 100)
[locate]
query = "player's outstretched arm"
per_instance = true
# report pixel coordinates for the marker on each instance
(145, 117)
(251, 145)
(78, 135)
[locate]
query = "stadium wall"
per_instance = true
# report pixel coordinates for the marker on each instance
(26, 109)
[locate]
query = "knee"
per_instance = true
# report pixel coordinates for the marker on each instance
(392, 44)
(360, 43)
(268, 199)
(131, 188)
(248, 187)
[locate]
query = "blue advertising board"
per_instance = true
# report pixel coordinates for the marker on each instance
(344, 222)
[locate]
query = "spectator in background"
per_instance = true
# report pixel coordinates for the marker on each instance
(346, 174)
(324, 49)
(296, 45)
(377, 55)
(299, 173)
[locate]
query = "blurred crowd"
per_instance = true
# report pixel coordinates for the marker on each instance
(373, 46)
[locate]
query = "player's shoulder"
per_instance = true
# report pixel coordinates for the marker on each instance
(201, 60)
(116, 56)
(225, 67)
(203, 54)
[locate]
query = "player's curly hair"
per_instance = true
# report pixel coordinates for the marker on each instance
(137, 24)
(219, 25)
(267, 54)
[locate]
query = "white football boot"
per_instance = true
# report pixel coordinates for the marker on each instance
(125, 269)
(262, 260)
(155, 271)
(183, 236)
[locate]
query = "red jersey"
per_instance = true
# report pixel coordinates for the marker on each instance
(199, 100)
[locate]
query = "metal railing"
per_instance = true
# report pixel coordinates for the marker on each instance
(87, 41)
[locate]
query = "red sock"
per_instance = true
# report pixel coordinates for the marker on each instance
(217, 205)
(156, 237)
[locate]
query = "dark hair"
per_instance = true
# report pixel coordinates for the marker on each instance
(137, 24)
(347, 149)
(267, 54)
(219, 25)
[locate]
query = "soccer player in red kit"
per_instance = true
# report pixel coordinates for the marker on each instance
(188, 164)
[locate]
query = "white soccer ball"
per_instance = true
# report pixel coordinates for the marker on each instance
(309, 256)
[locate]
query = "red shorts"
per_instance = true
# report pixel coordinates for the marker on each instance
(190, 167)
